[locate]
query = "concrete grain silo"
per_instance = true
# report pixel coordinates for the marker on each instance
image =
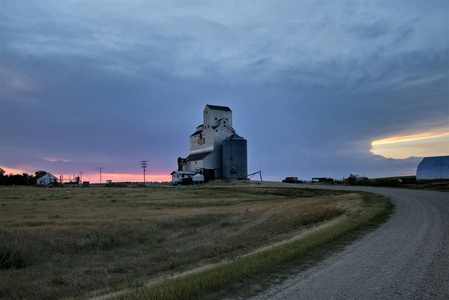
(235, 157)
(432, 168)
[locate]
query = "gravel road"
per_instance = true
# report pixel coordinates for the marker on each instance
(406, 258)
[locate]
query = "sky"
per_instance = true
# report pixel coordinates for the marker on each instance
(317, 88)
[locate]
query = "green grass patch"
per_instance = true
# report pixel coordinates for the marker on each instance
(225, 276)
(103, 240)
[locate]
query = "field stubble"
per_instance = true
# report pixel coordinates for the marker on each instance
(84, 242)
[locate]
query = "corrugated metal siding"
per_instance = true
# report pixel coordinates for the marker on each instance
(235, 157)
(433, 168)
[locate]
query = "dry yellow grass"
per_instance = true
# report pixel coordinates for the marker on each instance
(74, 243)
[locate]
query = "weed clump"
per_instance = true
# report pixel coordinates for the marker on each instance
(10, 259)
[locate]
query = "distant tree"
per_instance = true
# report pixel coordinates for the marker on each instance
(28, 179)
(39, 174)
(3, 178)
(17, 179)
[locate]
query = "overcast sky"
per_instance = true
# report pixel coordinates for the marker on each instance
(311, 84)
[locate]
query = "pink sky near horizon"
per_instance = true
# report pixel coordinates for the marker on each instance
(94, 177)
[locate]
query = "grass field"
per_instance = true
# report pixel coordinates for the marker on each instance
(88, 242)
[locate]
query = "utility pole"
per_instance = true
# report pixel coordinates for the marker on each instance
(143, 164)
(81, 174)
(100, 168)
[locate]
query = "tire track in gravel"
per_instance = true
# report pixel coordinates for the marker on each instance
(405, 258)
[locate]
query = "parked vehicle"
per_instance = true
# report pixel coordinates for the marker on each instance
(292, 180)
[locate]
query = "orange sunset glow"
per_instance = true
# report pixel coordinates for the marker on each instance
(432, 143)
(16, 171)
(413, 137)
(94, 177)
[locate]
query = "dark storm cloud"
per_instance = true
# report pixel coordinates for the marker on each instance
(311, 84)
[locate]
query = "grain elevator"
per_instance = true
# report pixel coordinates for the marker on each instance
(216, 151)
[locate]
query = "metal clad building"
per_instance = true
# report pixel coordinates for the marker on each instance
(235, 159)
(206, 146)
(433, 168)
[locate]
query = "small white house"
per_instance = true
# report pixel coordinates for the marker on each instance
(47, 180)
(182, 177)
